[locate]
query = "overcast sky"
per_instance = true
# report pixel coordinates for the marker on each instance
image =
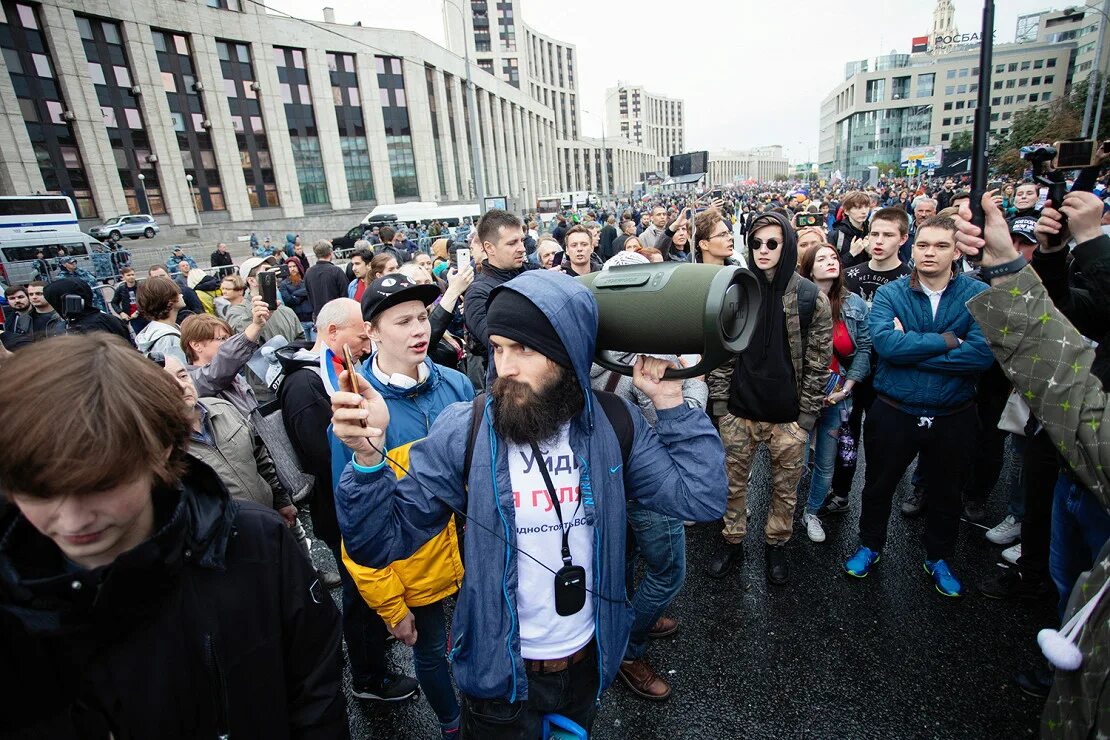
(750, 76)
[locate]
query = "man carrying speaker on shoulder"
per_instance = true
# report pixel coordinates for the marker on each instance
(541, 622)
(777, 390)
(502, 237)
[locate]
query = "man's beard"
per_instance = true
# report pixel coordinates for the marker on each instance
(523, 416)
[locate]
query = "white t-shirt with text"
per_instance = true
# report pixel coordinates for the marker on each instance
(545, 635)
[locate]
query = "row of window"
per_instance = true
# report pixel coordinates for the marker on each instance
(1023, 82)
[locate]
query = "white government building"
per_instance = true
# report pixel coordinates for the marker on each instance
(175, 107)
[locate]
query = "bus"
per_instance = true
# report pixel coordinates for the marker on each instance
(26, 215)
(573, 199)
(423, 212)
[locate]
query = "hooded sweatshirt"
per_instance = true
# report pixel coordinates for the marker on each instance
(159, 337)
(763, 385)
(90, 319)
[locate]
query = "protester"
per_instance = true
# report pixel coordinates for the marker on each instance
(850, 365)
(361, 258)
(777, 390)
(125, 301)
(325, 281)
(193, 304)
(655, 231)
(501, 235)
(382, 264)
(929, 356)
(160, 302)
(579, 252)
(216, 355)
(139, 553)
(31, 319)
(408, 594)
(542, 328)
(294, 294)
(220, 259)
(849, 234)
(546, 251)
(173, 262)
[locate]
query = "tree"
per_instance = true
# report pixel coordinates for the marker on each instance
(1046, 124)
(961, 142)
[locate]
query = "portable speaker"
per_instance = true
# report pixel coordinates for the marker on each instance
(674, 308)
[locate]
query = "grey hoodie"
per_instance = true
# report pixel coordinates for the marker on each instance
(159, 337)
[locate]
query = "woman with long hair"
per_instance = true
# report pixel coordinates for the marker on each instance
(850, 364)
(294, 293)
(382, 264)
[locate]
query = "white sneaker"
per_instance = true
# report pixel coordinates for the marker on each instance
(1007, 532)
(1011, 554)
(814, 529)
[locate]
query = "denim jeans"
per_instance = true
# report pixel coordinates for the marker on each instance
(826, 441)
(430, 656)
(1016, 508)
(1080, 527)
(363, 630)
(661, 541)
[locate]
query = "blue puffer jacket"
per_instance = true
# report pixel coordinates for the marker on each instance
(925, 368)
(676, 469)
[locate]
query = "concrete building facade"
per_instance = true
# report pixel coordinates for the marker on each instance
(911, 100)
(216, 108)
(760, 163)
(647, 119)
(603, 167)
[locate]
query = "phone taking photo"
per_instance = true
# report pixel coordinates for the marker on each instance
(267, 288)
(462, 257)
(349, 366)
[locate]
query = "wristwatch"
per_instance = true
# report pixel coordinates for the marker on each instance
(1006, 268)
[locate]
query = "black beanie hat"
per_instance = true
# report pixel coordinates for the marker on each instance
(513, 316)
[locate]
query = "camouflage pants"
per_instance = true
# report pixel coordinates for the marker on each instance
(786, 443)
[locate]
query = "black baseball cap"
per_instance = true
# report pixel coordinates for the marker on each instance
(1023, 226)
(392, 289)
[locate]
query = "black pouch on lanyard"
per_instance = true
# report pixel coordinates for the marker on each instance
(570, 581)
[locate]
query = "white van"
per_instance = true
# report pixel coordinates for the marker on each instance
(17, 256)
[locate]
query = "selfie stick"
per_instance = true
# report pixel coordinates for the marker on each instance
(981, 134)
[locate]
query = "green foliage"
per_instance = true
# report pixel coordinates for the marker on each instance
(961, 141)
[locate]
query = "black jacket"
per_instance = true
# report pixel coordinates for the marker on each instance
(325, 282)
(220, 259)
(90, 319)
(605, 240)
(306, 413)
(477, 296)
(841, 236)
(215, 626)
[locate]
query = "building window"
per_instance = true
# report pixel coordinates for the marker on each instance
(925, 85)
(511, 72)
(951, 75)
(959, 104)
(1051, 62)
(876, 91)
(1008, 100)
(1010, 84)
(946, 122)
(129, 140)
(301, 121)
(1045, 97)
(398, 134)
(963, 72)
(193, 139)
(1033, 97)
(1013, 67)
(246, 120)
(1038, 64)
(950, 90)
(961, 89)
(998, 84)
(948, 106)
(1025, 65)
(486, 65)
(40, 100)
(1049, 79)
(1035, 81)
(1023, 82)
(224, 4)
(352, 130)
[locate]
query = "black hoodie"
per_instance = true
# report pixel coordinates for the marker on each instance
(88, 319)
(763, 384)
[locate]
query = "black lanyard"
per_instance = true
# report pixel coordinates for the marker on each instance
(554, 502)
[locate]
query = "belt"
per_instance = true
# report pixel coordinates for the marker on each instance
(933, 413)
(556, 665)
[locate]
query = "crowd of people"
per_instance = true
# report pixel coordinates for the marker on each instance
(476, 462)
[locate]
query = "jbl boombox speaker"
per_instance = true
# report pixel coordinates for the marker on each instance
(674, 308)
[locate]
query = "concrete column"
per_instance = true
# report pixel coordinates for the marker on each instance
(489, 148)
(224, 145)
(529, 160)
(72, 75)
(458, 94)
(367, 71)
(499, 138)
(19, 168)
(450, 156)
(420, 123)
(159, 126)
(277, 131)
(512, 174)
(327, 128)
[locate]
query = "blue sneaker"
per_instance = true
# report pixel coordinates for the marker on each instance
(860, 564)
(947, 584)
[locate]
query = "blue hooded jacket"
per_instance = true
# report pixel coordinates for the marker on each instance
(925, 368)
(676, 469)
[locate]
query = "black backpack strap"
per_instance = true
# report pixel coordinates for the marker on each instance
(807, 303)
(617, 413)
(477, 408)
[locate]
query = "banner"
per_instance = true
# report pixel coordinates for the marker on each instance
(922, 156)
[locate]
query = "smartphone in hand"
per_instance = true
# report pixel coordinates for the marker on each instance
(267, 288)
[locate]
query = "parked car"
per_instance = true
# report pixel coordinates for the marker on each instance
(132, 226)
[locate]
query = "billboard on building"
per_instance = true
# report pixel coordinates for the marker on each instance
(919, 43)
(692, 163)
(923, 157)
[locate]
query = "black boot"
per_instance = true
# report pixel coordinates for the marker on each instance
(729, 556)
(778, 569)
(1036, 682)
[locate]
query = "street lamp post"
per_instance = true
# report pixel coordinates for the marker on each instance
(144, 204)
(196, 211)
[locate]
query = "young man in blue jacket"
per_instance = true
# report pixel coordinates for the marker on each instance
(542, 620)
(930, 356)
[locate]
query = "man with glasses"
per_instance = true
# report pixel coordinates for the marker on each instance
(777, 389)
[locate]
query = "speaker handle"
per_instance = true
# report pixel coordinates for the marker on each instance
(709, 362)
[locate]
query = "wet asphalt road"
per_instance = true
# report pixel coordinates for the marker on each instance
(824, 657)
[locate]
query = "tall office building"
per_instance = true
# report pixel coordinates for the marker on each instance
(647, 119)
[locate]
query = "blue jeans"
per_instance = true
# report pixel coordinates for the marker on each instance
(430, 655)
(661, 541)
(1017, 485)
(827, 432)
(1080, 527)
